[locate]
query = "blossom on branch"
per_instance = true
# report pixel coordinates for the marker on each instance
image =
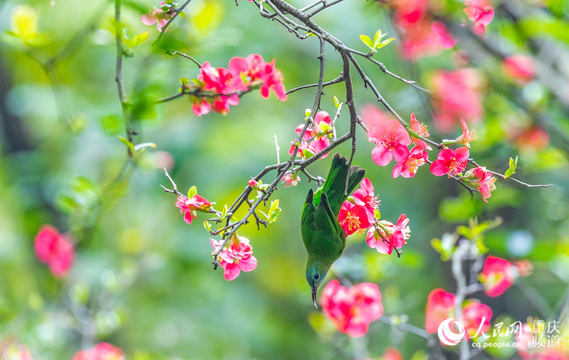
(157, 16)
(408, 167)
(391, 138)
(189, 205)
(450, 162)
(102, 351)
(253, 70)
(316, 137)
(236, 256)
(54, 249)
(353, 309)
(386, 236)
(291, 179)
(482, 180)
(358, 212)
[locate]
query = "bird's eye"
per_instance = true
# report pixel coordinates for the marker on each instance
(316, 276)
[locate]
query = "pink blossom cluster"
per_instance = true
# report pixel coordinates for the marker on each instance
(392, 141)
(54, 249)
(316, 137)
(519, 67)
(235, 257)
(442, 305)
(352, 309)
(101, 351)
(422, 36)
(218, 88)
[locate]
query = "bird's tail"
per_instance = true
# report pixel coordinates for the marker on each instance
(335, 185)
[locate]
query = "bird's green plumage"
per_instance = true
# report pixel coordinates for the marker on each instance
(322, 234)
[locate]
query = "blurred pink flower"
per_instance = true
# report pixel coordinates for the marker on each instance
(446, 40)
(475, 314)
(450, 162)
(455, 95)
(353, 309)
(440, 306)
(519, 67)
(236, 257)
(497, 275)
(156, 16)
(392, 353)
(102, 351)
(54, 249)
(481, 13)
(467, 136)
(10, 350)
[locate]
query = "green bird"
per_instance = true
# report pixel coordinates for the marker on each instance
(321, 232)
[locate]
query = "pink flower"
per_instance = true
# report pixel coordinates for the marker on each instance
(482, 180)
(524, 267)
(54, 249)
(218, 81)
(392, 140)
(421, 130)
(497, 275)
(418, 40)
(291, 179)
(102, 351)
(467, 136)
(473, 314)
(532, 136)
(189, 205)
(157, 16)
(446, 39)
(353, 218)
(408, 168)
(481, 13)
(440, 306)
(200, 106)
(253, 183)
(519, 67)
(254, 70)
(451, 162)
(392, 353)
(456, 94)
(235, 257)
(353, 309)
(388, 236)
(315, 138)
(364, 197)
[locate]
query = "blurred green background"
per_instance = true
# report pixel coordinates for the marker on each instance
(142, 278)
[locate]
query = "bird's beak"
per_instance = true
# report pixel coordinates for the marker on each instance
(314, 290)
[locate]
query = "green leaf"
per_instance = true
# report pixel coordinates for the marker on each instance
(512, 169)
(377, 38)
(127, 143)
(366, 40)
(307, 153)
(193, 191)
(139, 39)
(274, 211)
(384, 43)
(207, 225)
(183, 14)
